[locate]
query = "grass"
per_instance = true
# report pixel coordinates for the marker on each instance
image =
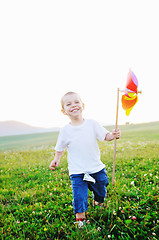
(37, 203)
(29, 141)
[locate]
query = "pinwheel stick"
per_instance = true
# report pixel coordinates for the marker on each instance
(129, 91)
(116, 126)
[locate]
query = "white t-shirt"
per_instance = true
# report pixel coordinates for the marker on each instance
(83, 153)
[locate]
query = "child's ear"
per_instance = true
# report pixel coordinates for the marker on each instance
(83, 105)
(63, 111)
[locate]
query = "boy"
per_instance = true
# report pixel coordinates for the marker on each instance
(86, 170)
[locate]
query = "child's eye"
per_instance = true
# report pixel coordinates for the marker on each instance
(68, 104)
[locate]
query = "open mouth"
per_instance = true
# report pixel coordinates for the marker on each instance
(75, 110)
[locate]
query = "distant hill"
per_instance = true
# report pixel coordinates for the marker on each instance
(143, 132)
(9, 128)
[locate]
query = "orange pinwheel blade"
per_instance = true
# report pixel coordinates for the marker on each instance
(128, 103)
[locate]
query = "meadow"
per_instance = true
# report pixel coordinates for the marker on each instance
(36, 203)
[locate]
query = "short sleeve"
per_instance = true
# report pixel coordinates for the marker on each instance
(100, 131)
(61, 142)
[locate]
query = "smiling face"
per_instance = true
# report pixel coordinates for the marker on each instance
(72, 106)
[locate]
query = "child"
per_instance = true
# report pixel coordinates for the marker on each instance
(86, 170)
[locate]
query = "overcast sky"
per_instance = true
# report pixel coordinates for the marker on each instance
(48, 48)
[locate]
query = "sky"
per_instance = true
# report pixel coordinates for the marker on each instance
(48, 48)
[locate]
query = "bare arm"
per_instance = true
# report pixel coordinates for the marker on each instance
(111, 136)
(56, 160)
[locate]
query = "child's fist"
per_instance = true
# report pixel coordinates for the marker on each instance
(116, 133)
(54, 164)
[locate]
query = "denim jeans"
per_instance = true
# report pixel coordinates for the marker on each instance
(80, 189)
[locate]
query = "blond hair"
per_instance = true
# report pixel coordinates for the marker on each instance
(68, 93)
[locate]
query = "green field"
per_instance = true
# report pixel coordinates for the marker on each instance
(28, 141)
(37, 203)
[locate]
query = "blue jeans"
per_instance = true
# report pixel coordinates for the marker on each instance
(80, 189)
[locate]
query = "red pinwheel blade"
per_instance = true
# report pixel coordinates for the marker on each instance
(132, 82)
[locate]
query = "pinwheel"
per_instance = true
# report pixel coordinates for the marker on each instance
(129, 99)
